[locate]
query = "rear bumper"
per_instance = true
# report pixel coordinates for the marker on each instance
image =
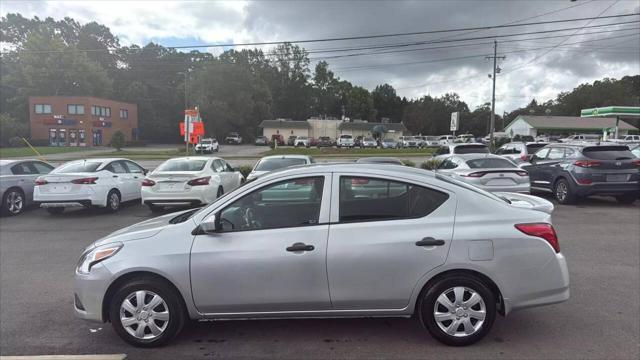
(607, 189)
(195, 196)
(86, 197)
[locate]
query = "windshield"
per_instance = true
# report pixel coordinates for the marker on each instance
(78, 166)
(471, 149)
(345, 136)
(490, 163)
(205, 142)
(182, 165)
(274, 164)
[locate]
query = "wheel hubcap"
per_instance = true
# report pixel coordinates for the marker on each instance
(144, 315)
(114, 201)
(459, 311)
(14, 202)
(561, 191)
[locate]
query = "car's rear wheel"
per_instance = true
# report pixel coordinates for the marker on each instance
(13, 202)
(146, 312)
(113, 201)
(458, 310)
(55, 210)
(563, 193)
(155, 208)
(627, 198)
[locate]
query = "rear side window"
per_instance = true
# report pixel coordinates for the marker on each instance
(23, 169)
(116, 167)
(608, 153)
(369, 199)
(471, 149)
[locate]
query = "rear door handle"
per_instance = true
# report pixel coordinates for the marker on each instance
(300, 247)
(115, 176)
(429, 241)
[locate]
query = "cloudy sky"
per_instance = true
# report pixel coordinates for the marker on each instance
(536, 65)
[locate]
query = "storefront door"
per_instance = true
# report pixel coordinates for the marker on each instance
(97, 137)
(53, 137)
(82, 137)
(62, 137)
(73, 137)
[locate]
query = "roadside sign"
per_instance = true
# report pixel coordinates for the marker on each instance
(454, 121)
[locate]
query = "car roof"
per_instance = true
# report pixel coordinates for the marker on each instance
(306, 157)
(194, 158)
(373, 168)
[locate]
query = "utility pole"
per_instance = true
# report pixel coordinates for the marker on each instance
(186, 106)
(496, 69)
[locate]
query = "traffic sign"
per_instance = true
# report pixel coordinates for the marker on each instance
(454, 121)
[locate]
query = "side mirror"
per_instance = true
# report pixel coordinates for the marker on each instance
(210, 225)
(145, 171)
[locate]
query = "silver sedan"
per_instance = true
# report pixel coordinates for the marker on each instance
(489, 172)
(331, 240)
(17, 179)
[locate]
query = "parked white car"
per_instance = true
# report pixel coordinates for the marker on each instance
(580, 137)
(465, 138)
(496, 135)
(446, 139)
(301, 141)
(91, 182)
(207, 146)
(276, 162)
(191, 181)
(345, 141)
(627, 139)
(408, 142)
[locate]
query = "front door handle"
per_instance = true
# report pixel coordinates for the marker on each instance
(300, 247)
(429, 241)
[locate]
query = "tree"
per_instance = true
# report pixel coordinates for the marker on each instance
(360, 104)
(10, 128)
(387, 102)
(117, 140)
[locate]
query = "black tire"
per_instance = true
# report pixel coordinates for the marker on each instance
(113, 201)
(563, 192)
(55, 210)
(155, 208)
(444, 285)
(174, 306)
(13, 202)
(627, 198)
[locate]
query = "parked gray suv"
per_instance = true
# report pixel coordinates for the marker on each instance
(572, 171)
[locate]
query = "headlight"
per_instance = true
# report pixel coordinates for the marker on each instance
(95, 255)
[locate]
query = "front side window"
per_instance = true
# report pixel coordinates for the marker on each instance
(370, 199)
(556, 154)
(289, 203)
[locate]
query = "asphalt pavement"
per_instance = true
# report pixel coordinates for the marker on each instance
(600, 238)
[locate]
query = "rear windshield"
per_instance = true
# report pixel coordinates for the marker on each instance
(205, 142)
(345, 136)
(490, 164)
(78, 166)
(273, 164)
(475, 189)
(532, 148)
(182, 165)
(471, 149)
(608, 153)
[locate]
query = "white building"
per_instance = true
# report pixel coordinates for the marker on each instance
(535, 125)
(332, 128)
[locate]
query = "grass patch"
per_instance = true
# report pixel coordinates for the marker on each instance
(43, 150)
(344, 152)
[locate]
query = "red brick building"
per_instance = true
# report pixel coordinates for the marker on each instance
(80, 120)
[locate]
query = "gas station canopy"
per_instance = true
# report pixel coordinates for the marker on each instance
(622, 112)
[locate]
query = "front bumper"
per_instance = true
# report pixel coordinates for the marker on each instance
(89, 291)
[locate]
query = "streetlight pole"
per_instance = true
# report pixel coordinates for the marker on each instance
(186, 106)
(495, 57)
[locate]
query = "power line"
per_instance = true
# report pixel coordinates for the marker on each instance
(364, 36)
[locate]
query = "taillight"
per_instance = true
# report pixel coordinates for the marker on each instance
(41, 182)
(85, 181)
(541, 230)
(475, 174)
(587, 163)
(148, 182)
(523, 157)
(636, 162)
(199, 181)
(522, 173)
(585, 181)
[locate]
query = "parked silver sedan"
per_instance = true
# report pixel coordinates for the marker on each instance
(17, 179)
(489, 172)
(330, 240)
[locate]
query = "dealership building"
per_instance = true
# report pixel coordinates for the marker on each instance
(80, 120)
(333, 128)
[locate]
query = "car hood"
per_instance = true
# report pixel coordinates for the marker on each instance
(527, 201)
(141, 230)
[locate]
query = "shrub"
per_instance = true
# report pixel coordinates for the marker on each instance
(245, 170)
(11, 127)
(408, 163)
(117, 140)
(16, 141)
(430, 164)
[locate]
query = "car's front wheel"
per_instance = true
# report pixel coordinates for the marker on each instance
(146, 312)
(458, 310)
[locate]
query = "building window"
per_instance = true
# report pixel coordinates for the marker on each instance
(101, 111)
(42, 109)
(124, 114)
(75, 109)
(95, 110)
(108, 111)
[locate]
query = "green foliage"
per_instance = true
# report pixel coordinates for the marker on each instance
(408, 163)
(360, 104)
(430, 164)
(245, 170)
(117, 140)
(11, 128)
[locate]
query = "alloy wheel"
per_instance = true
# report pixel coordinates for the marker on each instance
(114, 201)
(460, 311)
(14, 202)
(561, 191)
(144, 315)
